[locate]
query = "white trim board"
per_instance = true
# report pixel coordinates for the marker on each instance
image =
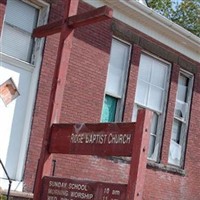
(154, 25)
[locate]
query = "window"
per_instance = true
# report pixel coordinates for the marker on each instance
(151, 93)
(20, 20)
(116, 82)
(17, 50)
(180, 123)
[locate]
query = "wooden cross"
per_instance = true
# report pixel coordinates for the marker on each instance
(65, 27)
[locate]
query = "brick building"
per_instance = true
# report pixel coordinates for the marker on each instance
(138, 59)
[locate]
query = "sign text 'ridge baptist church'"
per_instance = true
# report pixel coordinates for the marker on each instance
(104, 139)
(99, 138)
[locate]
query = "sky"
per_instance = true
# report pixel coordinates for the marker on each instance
(178, 1)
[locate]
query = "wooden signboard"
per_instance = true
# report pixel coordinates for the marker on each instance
(102, 139)
(54, 188)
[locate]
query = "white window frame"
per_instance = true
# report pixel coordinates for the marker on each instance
(161, 115)
(120, 99)
(34, 67)
(184, 122)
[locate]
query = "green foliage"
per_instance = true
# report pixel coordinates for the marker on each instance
(2, 197)
(186, 14)
(164, 7)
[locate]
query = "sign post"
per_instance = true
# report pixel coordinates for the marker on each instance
(65, 27)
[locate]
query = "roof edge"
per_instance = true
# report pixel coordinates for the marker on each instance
(164, 20)
(147, 21)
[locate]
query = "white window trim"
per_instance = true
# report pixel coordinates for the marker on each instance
(16, 62)
(39, 44)
(35, 69)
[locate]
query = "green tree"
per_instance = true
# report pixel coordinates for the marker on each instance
(186, 14)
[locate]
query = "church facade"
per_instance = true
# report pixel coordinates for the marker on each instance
(137, 59)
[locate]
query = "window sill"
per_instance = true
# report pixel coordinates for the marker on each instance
(16, 62)
(165, 168)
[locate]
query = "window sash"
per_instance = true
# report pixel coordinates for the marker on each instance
(117, 78)
(17, 43)
(180, 123)
(25, 17)
(144, 95)
(151, 84)
(16, 36)
(117, 68)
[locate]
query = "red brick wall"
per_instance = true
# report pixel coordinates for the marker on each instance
(83, 99)
(87, 72)
(170, 112)
(131, 89)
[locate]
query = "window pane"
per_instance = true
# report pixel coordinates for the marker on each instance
(151, 145)
(114, 81)
(153, 148)
(159, 72)
(145, 68)
(155, 98)
(154, 124)
(176, 130)
(141, 93)
(21, 15)
(15, 43)
(109, 109)
(117, 68)
(174, 153)
(182, 88)
(181, 109)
